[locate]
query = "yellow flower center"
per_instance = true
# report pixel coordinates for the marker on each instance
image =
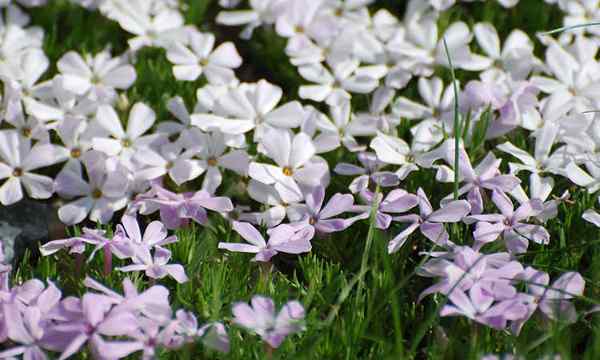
(97, 193)
(212, 161)
(75, 153)
(287, 171)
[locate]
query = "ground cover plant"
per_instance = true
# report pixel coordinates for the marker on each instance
(302, 179)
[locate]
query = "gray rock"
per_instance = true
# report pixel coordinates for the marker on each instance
(24, 225)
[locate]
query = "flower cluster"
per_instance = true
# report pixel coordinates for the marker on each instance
(36, 320)
(278, 150)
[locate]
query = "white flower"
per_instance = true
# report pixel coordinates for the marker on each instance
(394, 150)
(125, 143)
(99, 75)
(104, 193)
(203, 58)
(576, 75)
(153, 23)
(213, 155)
(261, 12)
(17, 161)
(333, 86)
(172, 159)
(542, 161)
(252, 107)
(516, 56)
(293, 155)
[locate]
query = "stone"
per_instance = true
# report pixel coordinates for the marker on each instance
(24, 225)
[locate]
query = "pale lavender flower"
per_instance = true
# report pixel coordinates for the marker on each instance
(253, 107)
(152, 302)
(322, 217)
(369, 173)
(185, 330)
(262, 12)
(430, 222)
(176, 209)
(464, 268)
(262, 319)
(213, 156)
(510, 224)
(26, 329)
(284, 238)
(117, 245)
(27, 322)
(481, 308)
(486, 175)
(553, 300)
(155, 266)
(395, 202)
(97, 319)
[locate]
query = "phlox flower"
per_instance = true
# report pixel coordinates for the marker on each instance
(156, 265)
(96, 319)
(97, 76)
(125, 143)
(276, 208)
(262, 319)
(510, 224)
(176, 209)
(185, 329)
(395, 202)
(486, 175)
(369, 173)
(172, 159)
(202, 58)
(293, 155)
(515, 57)
(18, 160)
(182, 126)
(152, 23)
(242, 109)
(334, 86)
(104, 193)
(213, 156)
(322, 217)
(394, 150)
(430, 222)
(477, 307)
(463, 268)
(152, 302)
(261, 12)
(26, 322)
(553, 300)
(574, 77)
(284, 238)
